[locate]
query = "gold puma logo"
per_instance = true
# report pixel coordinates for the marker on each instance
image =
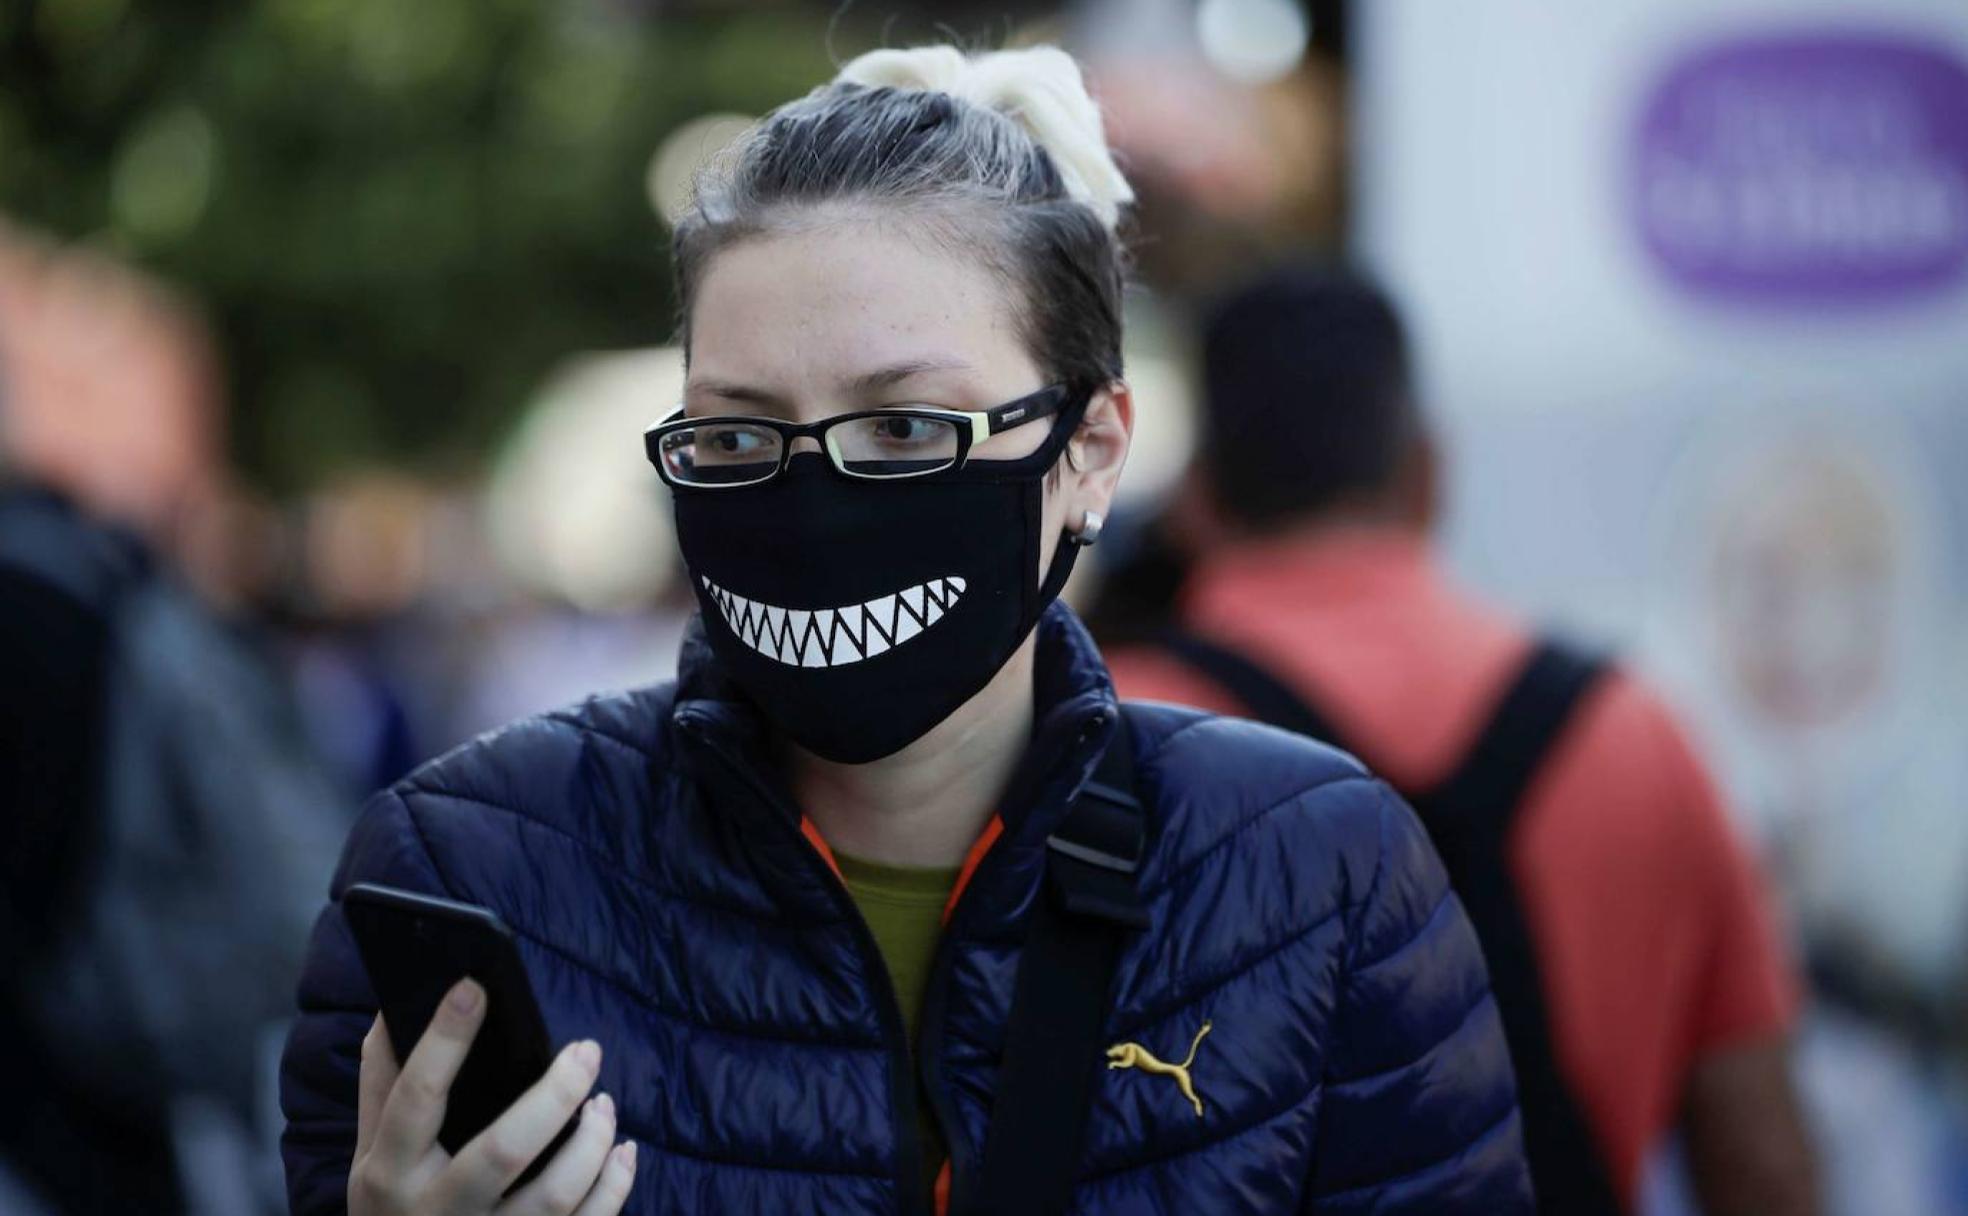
(1134, 1055)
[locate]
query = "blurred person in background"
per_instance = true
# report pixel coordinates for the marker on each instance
(360, 645)
(1625, 926)
(791, 896)
(160, 825)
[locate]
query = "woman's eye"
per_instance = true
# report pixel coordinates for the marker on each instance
(902, 430)
(733, 442)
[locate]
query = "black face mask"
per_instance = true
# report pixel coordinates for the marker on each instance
(859, 614)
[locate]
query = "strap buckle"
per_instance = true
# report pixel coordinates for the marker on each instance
(1095, 854)
(1098, 836)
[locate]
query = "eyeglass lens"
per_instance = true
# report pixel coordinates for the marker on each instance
(721, 453)
(876, 446)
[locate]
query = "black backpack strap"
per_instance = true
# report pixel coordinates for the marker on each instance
(93, 564)
(1086, 911)
(1269, 699)
(1469, 817)
(1496, 772)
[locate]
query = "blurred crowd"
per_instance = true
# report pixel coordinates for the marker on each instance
(213, 645)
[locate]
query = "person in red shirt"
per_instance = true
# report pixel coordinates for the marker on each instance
(1666, 999)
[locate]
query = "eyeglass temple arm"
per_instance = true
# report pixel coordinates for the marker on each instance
(1012, 413)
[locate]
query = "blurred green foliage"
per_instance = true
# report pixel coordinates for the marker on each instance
(398, 213)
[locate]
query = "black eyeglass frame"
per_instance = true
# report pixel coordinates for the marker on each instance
(972, 427)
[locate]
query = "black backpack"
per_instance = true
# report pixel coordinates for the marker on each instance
(1469, 816)
(214, 833)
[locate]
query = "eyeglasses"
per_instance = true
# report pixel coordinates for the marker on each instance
(878, 445)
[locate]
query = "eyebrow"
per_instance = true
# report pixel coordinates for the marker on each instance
(895, 373)
(732, 391)
(861, 385)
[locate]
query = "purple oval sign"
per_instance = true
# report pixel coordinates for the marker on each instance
(1807, 168)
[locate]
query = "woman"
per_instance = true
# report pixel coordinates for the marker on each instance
(782, 907)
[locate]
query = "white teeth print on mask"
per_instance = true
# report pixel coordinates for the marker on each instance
(835, 637)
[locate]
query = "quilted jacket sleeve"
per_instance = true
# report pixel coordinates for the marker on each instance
(1420, 1110)
(319, 1068)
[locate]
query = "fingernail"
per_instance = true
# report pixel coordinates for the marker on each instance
(465, 997)
(587, 1053)
(606, 1105)
(628, 1155)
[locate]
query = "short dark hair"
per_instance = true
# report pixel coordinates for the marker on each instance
(1307, 393)
(970, 176)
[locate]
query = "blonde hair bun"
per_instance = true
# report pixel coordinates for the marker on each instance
(1040, 88)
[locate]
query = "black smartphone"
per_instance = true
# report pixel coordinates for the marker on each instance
(415, 947)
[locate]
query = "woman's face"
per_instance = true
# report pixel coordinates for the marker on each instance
(843, 316)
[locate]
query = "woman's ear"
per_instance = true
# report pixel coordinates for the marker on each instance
(1097, 451)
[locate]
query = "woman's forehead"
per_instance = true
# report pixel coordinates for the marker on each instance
(842, 307)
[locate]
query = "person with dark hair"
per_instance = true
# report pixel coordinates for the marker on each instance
(1625, 927)
(1312, 335)
(886, 904)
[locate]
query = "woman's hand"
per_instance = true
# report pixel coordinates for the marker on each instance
(400, 1170)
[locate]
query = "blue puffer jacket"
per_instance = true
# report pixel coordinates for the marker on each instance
(669, 906)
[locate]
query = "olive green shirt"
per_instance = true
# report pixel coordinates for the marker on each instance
(903, 906)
